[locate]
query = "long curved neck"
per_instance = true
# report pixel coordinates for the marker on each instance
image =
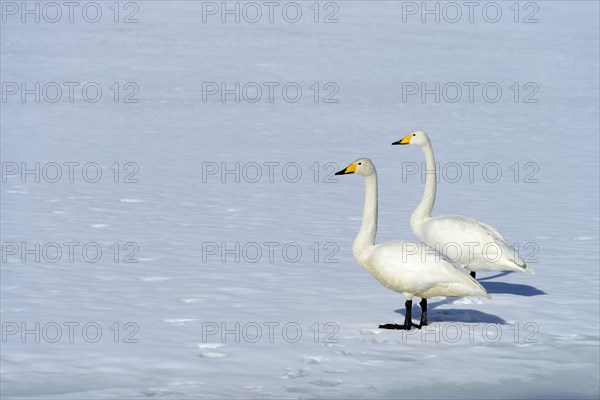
(423, 210)
(368, 229)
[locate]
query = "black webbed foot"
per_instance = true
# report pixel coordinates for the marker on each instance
(403, 327)
(408, 324)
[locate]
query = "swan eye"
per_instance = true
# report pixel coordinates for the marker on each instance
(359, 163)
(414, 134)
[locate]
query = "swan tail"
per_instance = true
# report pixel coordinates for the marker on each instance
(461, 287)
(510, 257)
(526, 269)
(471, 289)
(479, 289)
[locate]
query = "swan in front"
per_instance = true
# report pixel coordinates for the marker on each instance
(470, 243)
(404, 267)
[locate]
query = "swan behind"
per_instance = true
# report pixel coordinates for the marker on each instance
(473, 244)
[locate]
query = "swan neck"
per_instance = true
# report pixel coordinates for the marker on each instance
(368, 228)
(423, 210)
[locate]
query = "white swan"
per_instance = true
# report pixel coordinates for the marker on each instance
(403, 266)
(470, 243)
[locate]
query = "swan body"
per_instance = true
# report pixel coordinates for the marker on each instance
(423, 274)
(482, 247)
(404, 267)
(470, 243)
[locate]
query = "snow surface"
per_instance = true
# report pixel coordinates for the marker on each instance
(173, 296)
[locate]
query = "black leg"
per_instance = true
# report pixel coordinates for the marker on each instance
(407, 319)
(408, 315)
(423, 305)
(473, 274)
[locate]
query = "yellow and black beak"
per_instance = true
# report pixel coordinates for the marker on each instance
(348, 170)
(404, 140)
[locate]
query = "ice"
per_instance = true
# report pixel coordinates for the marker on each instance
(164, 312)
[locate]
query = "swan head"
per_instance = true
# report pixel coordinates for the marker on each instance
(362, 166)
(419, 138)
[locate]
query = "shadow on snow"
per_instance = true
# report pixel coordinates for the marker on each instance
(470, 315)
(508, 288)
(449, 315)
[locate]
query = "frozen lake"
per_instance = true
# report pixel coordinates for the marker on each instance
(171, 226)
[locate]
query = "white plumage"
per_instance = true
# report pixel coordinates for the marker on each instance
(404, 267)
(473, 244)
